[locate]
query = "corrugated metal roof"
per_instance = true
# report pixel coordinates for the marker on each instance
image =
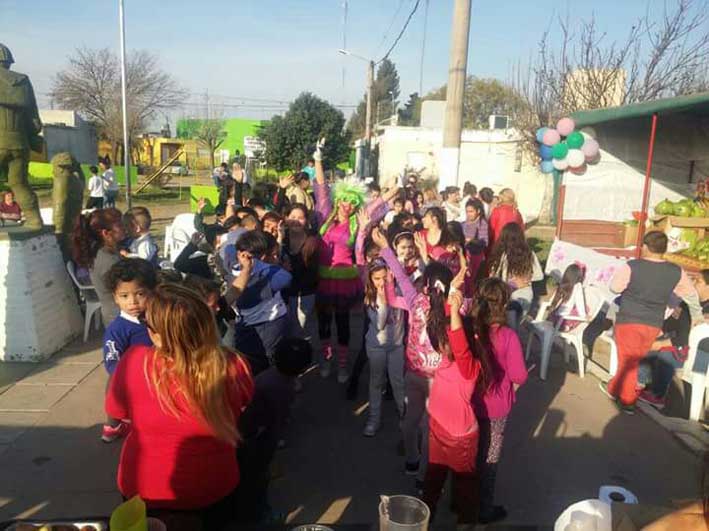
(696, 103)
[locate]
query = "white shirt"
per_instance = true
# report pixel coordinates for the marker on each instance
(110, 178)
(96, 186)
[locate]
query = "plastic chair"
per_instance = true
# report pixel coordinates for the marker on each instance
(698, 381)
(608, 337)
(181, 230)
(88, 293)
(548, 333)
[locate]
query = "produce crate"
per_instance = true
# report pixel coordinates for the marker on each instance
(686, 262)
(631, 235)
(667, 223)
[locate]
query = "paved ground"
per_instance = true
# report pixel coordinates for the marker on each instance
(564, 440)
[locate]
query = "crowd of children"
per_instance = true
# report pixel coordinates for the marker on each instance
(443, 286)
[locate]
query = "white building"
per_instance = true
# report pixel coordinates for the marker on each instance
(67, 131)
(491, 158)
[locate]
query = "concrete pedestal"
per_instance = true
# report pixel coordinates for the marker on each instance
(39, 313)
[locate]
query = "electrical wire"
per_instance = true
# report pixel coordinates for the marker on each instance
(401, 33)
(391, 25)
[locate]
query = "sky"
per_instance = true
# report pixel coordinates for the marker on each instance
(269, 51)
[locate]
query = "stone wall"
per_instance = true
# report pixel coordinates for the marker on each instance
(39, 313)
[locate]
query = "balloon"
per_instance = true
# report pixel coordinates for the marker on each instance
(586, 136)
(575, 140)
(590, 148)
(576, 158)
(546, 166)
(551, 137)
(545, 152)
(594, 160)
(580, 170)
(560, 150)
(565, 126)
(540, 134)
(560, 164)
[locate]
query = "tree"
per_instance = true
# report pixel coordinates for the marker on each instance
(290, 139)
(384, 99)
(211, 134)
(483, 97)
(410, 115)
(91, 85)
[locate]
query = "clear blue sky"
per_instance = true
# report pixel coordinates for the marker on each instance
(275, 49)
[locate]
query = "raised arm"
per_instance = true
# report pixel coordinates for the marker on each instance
(407, 288)
(468, 366)
(323, 202)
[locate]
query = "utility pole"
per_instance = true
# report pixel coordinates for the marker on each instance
(453, 124)
(370, 101)
(423, 49)
(126, 140)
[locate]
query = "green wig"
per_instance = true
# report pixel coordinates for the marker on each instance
(350, 190)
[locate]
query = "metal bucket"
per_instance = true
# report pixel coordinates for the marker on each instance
(403, 513)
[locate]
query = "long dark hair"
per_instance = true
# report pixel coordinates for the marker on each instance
(87, 239)
(489, 309)
(477, 205)
(311, 245)
(572, 276)
(440, 216)
(455, 229)
(513, 245)
(436, 281)
(370, 292)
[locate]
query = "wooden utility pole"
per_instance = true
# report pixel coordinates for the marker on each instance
(370, 98)
(453, 124)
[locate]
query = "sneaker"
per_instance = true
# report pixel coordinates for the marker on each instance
(494, 514)
(649, 398)
(411, 469)
(603, 386)
(628, 410)
(111, 433)
(325, 369)
(371, 428)
(342, 375)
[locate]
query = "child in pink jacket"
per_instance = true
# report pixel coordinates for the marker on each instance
(492, 402)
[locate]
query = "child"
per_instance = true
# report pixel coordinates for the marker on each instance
(131, 281)
(255, 296)
(143, 246)
(384, 342)
(405, 249)
(568, 306)
(263, 425)
(500, 349)
(97, 189)
(453, 428)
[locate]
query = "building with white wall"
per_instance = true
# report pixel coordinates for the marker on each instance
(67, 131)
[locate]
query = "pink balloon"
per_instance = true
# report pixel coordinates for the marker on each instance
(565, 126)
(578, 171)
(551, 137)
(590, 148)
(594, 160)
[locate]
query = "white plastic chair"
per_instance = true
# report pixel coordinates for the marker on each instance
(178, 235)
(88, 293)
(608, 337)
(548, 333)
(698, 381)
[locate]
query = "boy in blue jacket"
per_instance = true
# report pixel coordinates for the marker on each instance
(255, 296)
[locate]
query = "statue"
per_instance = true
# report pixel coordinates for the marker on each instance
(67, 198)
(19, 133)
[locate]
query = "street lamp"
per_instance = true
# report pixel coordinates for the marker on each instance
(370, 90)
(124, 103)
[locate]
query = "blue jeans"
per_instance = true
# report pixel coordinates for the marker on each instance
(658, 368)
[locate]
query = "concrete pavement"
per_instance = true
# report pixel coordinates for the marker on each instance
(564, 440)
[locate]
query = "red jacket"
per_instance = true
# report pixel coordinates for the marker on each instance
(172, 463)
(501, 216)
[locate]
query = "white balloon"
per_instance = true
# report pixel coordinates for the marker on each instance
(560, 164)
(575, 158)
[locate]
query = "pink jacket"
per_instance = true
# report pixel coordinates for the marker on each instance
(497, 401)
(449, 402)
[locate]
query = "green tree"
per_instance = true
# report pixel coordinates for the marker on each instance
(210, 134)
(483, 97)
(290, 139)
(385, 97)
(411, 113)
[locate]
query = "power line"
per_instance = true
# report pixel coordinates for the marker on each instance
(401, 33)
(391, 25)
(423, 48)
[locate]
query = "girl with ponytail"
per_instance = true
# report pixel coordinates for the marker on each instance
(96, 243)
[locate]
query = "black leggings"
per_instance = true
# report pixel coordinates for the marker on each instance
(342, 322)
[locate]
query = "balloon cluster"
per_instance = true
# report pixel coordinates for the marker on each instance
(565, 149)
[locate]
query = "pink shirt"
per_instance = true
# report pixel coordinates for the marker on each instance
(498, 399)
(449, 401)
(334, 250)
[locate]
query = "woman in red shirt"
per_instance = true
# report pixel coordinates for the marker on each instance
(505, 212)
(183, 398)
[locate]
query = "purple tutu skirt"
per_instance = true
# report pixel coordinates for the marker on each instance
(341, 294)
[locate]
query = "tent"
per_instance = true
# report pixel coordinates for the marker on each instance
(651, 151)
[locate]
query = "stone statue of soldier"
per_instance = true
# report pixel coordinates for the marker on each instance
(20, 126)
(67, 198)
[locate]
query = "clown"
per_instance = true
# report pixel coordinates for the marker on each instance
(339, 284)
